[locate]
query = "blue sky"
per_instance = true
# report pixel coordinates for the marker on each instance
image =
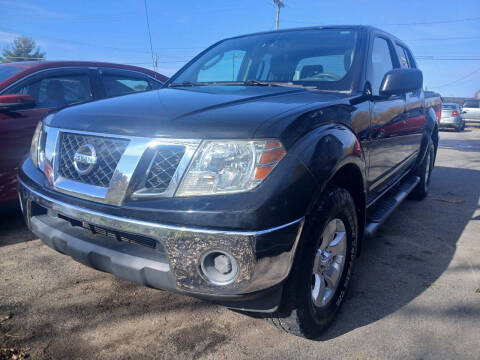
(436, 30)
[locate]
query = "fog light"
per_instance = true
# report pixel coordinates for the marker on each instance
(220, 268)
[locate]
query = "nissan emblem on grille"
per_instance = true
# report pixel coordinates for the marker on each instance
(90, 159)
(85, 159)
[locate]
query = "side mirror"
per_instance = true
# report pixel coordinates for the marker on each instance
(401, 81)
(16, 102)
(464, 112)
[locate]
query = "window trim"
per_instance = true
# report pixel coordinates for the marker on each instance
(411, 60)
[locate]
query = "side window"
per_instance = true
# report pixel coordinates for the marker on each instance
(380, 63)
(223, 67)
(57, 91)
(475, 104)
(121, 84)
(403, 56)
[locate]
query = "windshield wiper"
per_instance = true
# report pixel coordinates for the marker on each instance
(257, 83)
(186, 83)
(273, 83)
(251, 82)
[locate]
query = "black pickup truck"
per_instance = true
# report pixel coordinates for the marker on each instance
(250, 179)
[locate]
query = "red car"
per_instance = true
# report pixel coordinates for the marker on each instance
(28, 90)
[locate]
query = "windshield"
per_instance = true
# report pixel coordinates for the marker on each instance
(320, 58)
(9, 70)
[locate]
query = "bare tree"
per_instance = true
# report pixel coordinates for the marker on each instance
(22, 49)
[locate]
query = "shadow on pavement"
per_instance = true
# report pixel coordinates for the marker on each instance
(410, 251)
(13, 229)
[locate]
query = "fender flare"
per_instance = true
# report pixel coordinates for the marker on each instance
(328, 148)
(429, 133)
(325, 152)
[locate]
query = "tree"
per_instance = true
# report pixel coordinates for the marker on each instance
(22, 49)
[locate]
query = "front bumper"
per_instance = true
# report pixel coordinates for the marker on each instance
(265, 257)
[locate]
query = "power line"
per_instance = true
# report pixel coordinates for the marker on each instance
(150, 36)
(434, 22)
(446, 59)
(82, 43)
(404, 24)
(458, 80)
(445, 38)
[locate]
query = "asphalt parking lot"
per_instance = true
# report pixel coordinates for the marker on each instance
(415, 295)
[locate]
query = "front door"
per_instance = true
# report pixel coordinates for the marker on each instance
(387, 149)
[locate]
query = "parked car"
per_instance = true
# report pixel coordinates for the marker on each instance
(250, 179)
(471, 109)
(28, 90)
(452, 117)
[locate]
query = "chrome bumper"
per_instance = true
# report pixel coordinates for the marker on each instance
(264, 257)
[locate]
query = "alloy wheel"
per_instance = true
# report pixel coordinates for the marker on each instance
(329, 263)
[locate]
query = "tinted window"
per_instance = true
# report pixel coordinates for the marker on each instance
(380, 63)
(403, 57)
(119, 84)
(57, 91)
(471, 103)
(319, 58)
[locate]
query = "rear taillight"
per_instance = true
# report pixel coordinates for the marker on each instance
(455, 113)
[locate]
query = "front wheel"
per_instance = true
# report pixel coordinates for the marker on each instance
(323, 267)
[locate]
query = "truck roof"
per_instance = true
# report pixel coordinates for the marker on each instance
(367, 28)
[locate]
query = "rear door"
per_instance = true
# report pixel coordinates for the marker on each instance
(116, 82)
(415, 119)
(51, 89)
(387, 150)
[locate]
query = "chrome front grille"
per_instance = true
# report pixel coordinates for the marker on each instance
(110, 168)
(108, 153)
(164, 165)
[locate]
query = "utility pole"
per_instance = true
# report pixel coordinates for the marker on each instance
(279, 4)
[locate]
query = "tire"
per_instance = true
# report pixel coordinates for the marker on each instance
(424, 172)
(298, 314)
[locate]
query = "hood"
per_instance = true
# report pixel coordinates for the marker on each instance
(192, 112)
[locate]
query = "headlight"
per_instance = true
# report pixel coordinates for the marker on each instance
(222, 167)
(36, 143)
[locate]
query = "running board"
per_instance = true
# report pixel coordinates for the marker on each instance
(386, 205)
